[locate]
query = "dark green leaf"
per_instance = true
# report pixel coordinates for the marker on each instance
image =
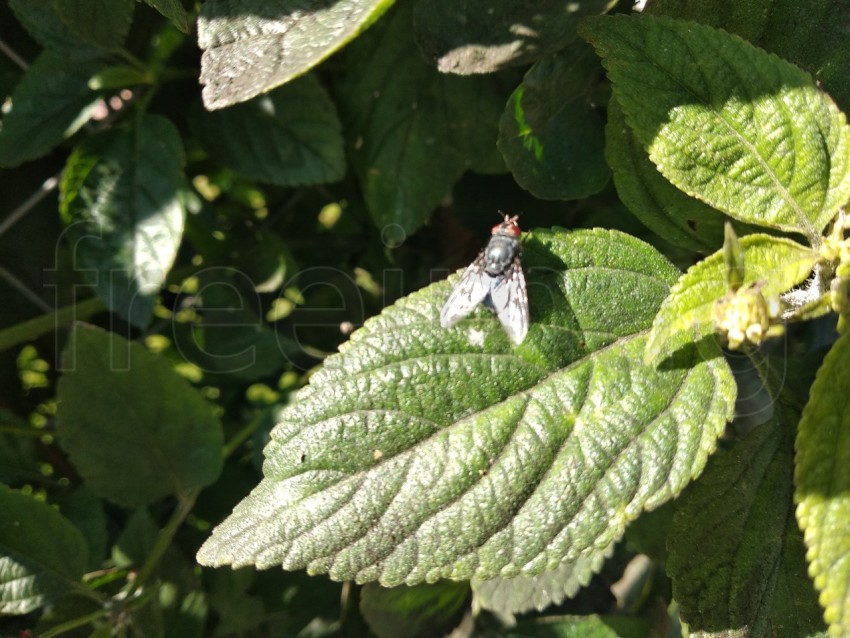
(174, 11)
(708, 107)
(478, 36)
(736, 555)
(422, 611)
(686, 315)
(420, 453)
(583, 627)
(550, 135)
(42, 554)
(136, 540)
(822, 478)
(660, 206)
(85, 510)
(413, 131)
(289, 137)
(135, 430)
(120, 200)
(50, 24)
(100, 23)
(253, 46)
(50, 104)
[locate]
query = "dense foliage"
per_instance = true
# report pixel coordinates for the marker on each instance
(225, 232)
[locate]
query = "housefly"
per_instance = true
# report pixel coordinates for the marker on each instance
(495, 279)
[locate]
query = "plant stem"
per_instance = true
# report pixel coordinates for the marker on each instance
(37, 326)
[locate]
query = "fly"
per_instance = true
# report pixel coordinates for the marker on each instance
(495, 279)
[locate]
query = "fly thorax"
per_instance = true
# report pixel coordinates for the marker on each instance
(499, 254)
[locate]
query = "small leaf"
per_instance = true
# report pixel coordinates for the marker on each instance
(734, 541)
(412, 131)
(728, 123)
(419, 453)
(135, 430)
(822, 477)
(289, 137)
(42, 555)
(422, 611)
(52, 101)
(253, 46)
(478, 36)
(120, 200)
(686, 315)
(551, 137)
(174, 11)
(660, 206)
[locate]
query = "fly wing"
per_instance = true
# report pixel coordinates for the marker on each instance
(468, 293)
(509, 299)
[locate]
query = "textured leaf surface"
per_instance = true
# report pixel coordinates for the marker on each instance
(660, 206)
(479, 36)
(413, 131)
(419, 453)
(736, 554)
(524, 593)
(42, 554)
(50, 104)
(123, 408)
(120, 202)
(810, 34)
(550, 135)
(686, 315)
(289, 137)
(728, 123)
(253, 46)
(823, 485)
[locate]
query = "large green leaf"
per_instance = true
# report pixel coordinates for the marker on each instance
(289, 137)
(412, 130)
(135, 430)
(50, 104)
(253, 46)
(479, 36)
(550, 135)
(120, 201)
(687, 314)
(660, 206)
(736, 554)
(42, 554)
(728, 123)
(811, 34)
(822, 478)
(420, 453)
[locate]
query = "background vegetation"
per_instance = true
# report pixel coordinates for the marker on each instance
(181, 259)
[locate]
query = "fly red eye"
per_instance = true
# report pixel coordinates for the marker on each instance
(508, 227)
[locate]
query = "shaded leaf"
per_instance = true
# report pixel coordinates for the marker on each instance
(419, 453)
(42, 555)
(253, 46)
(85, 510)
(413, 131)
(120, 200)
(100, 23)
(289, 137)
(736, 554)
(660, 206)
(686, 315)
(54, 24)
(135, 430)
(478, 36)
(728, 123)
(581, 627)
(822, 477)
(550, 135)
(52, 101)
(421, 611)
